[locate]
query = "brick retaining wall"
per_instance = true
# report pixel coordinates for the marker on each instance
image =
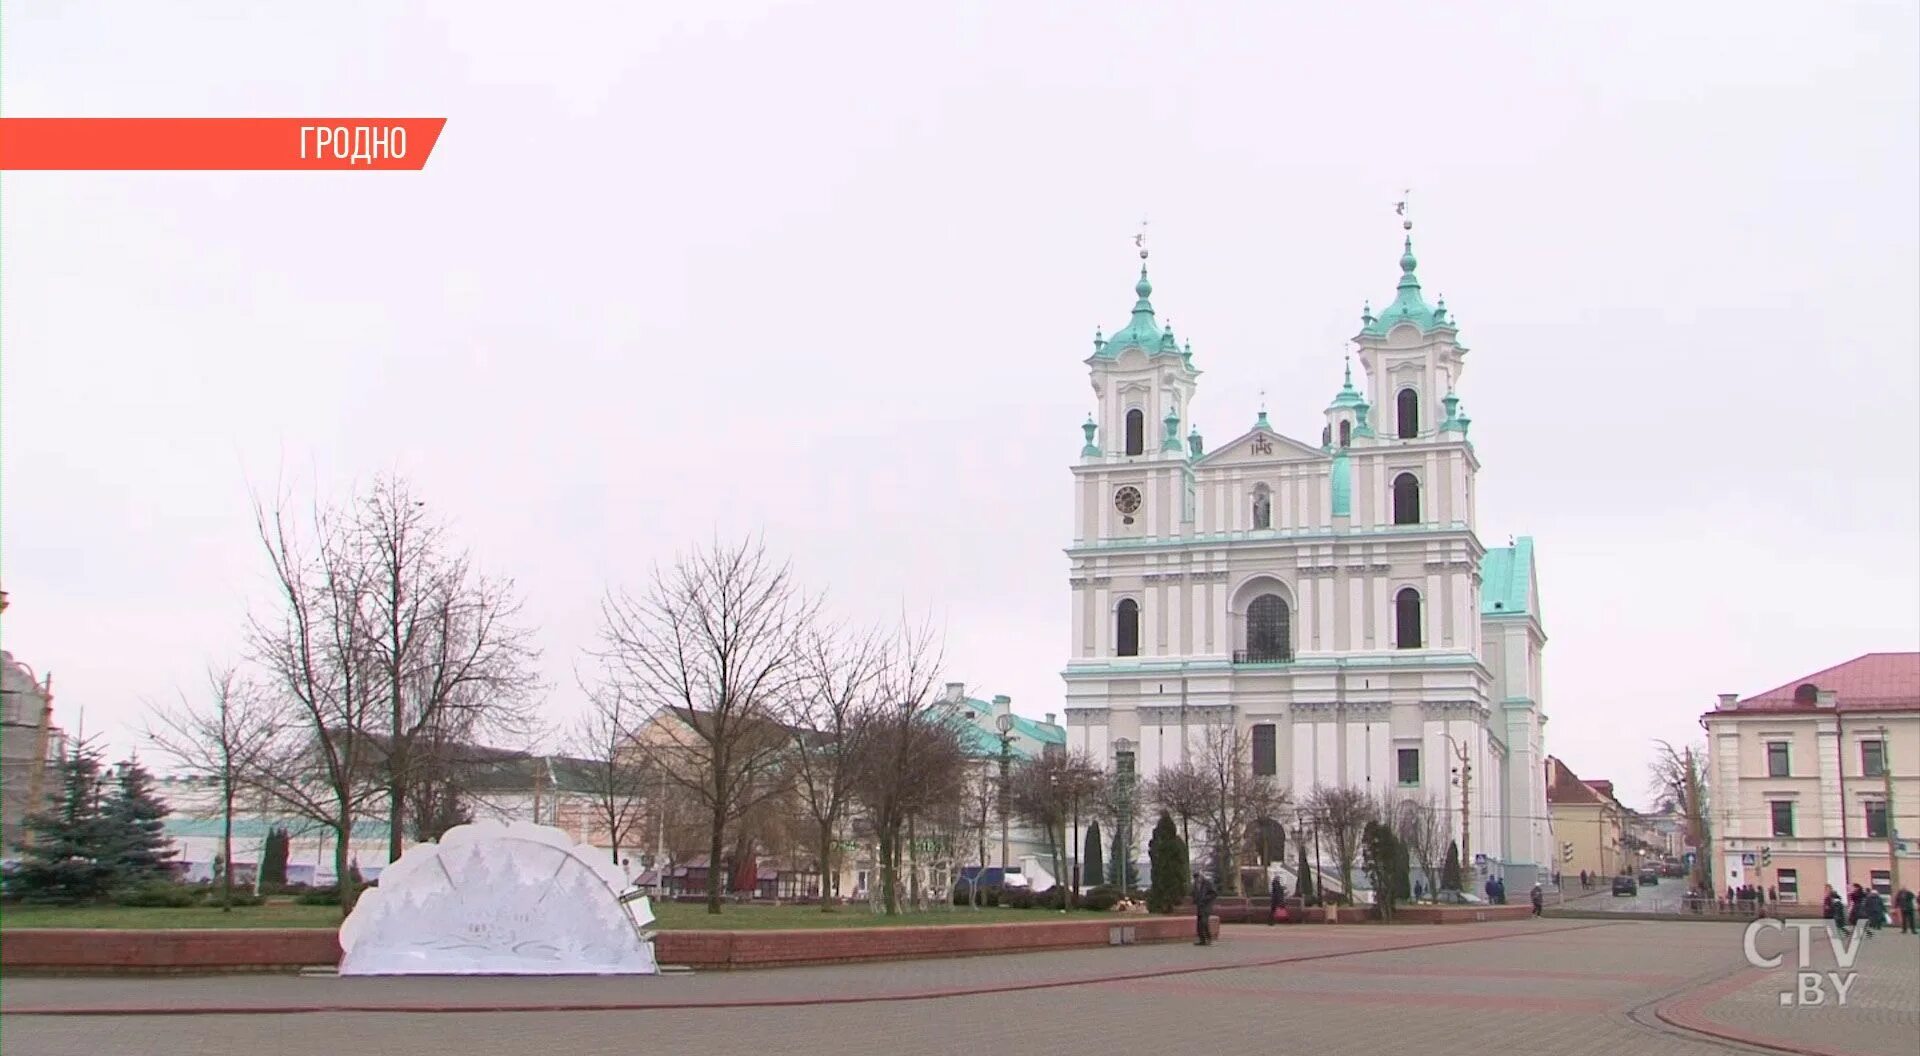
(61, 950)
(174, 950)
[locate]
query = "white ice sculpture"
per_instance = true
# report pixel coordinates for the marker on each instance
(494, 899)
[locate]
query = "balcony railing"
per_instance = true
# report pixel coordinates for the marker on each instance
(1262, 656)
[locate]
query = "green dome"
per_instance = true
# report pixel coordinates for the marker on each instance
(1348, 396)
(1142, 330)
(1409, 305)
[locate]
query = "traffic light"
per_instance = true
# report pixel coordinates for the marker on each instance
(1766, 857)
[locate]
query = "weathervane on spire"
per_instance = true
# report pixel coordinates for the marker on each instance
(1400, 209)
(1140, 240)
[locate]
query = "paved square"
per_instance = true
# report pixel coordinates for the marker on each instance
(1544, 987)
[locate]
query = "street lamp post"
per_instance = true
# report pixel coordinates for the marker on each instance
(1005, 724)
(1893, 816)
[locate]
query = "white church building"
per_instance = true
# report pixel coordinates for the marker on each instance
(1333, 598)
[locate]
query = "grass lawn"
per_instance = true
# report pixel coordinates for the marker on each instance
(673, 916)
(272, 915)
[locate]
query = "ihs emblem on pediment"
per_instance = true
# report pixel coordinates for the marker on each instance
(1262, 446)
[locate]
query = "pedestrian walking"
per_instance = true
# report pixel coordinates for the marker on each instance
(1203, 895)
(1276, 893)
(1903, 903)
(1836, 909)
(1875, 912)
(1539, 899)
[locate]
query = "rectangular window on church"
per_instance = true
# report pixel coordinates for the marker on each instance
(1265, 763)
(1409, 766)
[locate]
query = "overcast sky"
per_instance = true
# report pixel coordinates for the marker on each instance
(830, 272)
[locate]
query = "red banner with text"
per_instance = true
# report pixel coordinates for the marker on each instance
(217, 143)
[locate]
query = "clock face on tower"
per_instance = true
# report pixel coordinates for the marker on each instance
(1127, 501)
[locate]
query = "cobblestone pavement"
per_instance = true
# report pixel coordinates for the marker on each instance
(1881, 1014)
(1546, 988)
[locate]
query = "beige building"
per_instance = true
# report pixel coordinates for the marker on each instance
(1817, 781)
(1589, 825)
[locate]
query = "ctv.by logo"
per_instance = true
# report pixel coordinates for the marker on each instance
(1810, 985)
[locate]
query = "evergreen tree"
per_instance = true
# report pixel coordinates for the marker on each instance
(273, 857)
(1093, 867)
(65, 859)
(1167, 853)
(1380, 851)
(136, 827)
(1450, 873)
(1309, 894)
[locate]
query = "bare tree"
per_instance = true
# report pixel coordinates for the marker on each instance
(1046, 792)
(316, 650)
(910, 761)
(449, 652)
(1679, 775)
(1418, 825)
(1341, 815)
(1237, 799)
(837, 689)
(1183, 791)
(709, 651)
(222, 738)
(619, 786)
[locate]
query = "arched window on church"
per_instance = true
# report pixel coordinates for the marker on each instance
(1262, 507)
(1136, 431)
(1269, 629)
(1406, 619)
(1346, 434)
(1126, 638)
(1406, 499)
(1409, 406)
(1326, 436)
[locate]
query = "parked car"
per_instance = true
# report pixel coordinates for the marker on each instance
(1624, 885)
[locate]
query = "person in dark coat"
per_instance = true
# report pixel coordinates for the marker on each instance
(1836, 909)
(1203, 895)
(1276, 893)
(1538, 898)
(1903, 903)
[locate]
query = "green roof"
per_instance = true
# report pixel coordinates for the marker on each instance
(1045, 733)
(981, 741)
(1506, 580)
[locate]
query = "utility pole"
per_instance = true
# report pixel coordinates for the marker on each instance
(1466, 800)
(1005, 724)
(1893, 841)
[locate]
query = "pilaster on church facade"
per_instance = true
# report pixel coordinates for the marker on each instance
(1333, 598)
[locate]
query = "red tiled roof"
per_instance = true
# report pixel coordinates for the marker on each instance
(1565, 786)
(1605, 788)
(1872, 682)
